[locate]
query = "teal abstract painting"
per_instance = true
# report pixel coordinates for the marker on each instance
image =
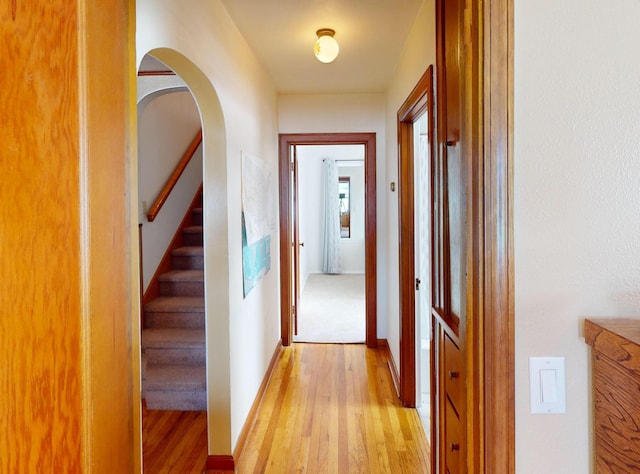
(256, 259)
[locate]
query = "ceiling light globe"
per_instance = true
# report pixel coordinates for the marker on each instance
(326, 48)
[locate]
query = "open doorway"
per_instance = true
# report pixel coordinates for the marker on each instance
(170, 164)
(290, 241)
(416, 145)
(422, 244)
(329, 196)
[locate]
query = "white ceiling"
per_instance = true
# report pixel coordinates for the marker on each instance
(281, 33)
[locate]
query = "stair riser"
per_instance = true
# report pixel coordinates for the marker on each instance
(176, 356)
(176, 400)
(174, 378)
(181, 288)
(143, 364)
(192, 239)
(197, 216)
(174, 320)
(187, 262)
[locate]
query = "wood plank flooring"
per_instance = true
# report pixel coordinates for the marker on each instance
(332, 408)
(328, 408)
(174, 442)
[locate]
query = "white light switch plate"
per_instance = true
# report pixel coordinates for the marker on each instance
(547, 384)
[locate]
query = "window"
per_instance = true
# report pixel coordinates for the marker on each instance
(344, 185)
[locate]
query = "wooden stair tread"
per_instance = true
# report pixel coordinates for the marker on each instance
(192, 229)
(173, 338)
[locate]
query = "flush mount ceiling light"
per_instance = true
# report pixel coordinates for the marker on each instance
(326, 47)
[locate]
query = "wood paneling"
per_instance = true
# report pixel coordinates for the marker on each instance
(65, 327)
(40, 302)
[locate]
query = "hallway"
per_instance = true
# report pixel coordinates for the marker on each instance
(328, 408)
(333, 408)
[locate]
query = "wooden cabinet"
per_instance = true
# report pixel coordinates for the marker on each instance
(616, 393)
(453, 404)
(472, 237)
(451, 233)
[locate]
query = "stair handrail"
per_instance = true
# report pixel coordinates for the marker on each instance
(175, 176)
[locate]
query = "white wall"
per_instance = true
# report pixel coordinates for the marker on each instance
(238, 104)
(347, 113)
(577, 204)
(166, 126)
(418, 55)
(310, 212)
(310, 186)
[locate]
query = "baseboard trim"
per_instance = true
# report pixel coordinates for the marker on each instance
(253, 412)
(220, 462)
(384, 345)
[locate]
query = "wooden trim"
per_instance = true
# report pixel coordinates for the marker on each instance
(257, 403)
(220, 462)
(140, 274)
(486, 333)
(419, 101)
(284, 192)
(175, 176)
(153, 290)
(383, 344)
(498, 439)
(371, 245)
(286, 141)
(156, 73)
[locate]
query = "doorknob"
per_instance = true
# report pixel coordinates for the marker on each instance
(301, 244)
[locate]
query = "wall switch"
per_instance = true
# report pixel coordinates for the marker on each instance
(547, 384)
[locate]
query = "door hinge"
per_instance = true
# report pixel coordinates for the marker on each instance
(418, 283)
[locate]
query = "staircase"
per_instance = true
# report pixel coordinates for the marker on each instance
(173, 338)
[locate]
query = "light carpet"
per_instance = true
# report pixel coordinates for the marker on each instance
(332, 309)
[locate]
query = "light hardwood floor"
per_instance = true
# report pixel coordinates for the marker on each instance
(329, 408)
(332, 408)
(174, 441)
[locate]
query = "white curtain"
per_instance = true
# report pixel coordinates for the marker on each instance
(331, 218)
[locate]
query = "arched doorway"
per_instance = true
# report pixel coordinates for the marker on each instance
(214, 258)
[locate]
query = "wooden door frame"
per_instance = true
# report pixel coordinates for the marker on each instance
(488, 334)
(369, 142)
(495, 449)
(419, 101)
